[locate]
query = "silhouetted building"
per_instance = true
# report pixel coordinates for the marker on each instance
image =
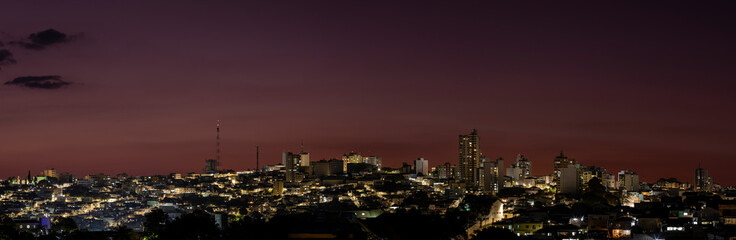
(356, 168)
(337, 166)
(569, 182)
(406, 168)
(321, 168)
(702, 181)
(211, 166)
(66, 177)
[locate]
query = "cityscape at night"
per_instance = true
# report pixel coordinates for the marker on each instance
(144, 120)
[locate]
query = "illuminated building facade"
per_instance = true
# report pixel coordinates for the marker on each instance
(469, 158)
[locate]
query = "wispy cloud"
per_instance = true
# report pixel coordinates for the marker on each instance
(6, 57)
(43, 39)
(39, 82)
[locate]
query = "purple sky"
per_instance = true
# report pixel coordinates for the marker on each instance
(641, 86)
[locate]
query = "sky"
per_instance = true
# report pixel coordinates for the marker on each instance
(137, 86)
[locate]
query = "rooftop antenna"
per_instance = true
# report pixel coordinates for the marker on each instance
(257, 156)
(302, 146)
(218, 141)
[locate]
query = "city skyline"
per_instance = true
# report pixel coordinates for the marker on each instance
(367, 120)
(620, 86)
(213, 165)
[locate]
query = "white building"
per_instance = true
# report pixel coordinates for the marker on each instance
(421, 165)
(520, 169)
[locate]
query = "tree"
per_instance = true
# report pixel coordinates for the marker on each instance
(197, 225)
(250, 228)
(494, 233)
(155, 222)
(511, 192)
(478, 206)
(5, 220)
(124, 233)
(8, 232)
(595, 185)
(64, 225)
(597, 194)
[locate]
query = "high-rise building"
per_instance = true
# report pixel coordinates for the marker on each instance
(321, 168)
(406, 168)
(291, 162)
(520, 169)
(211, 166)
(703, 182)
(628, 180)
(560, 162)
(492, 177)
(66, 177)
(446, 171)
(514, 173)
(421, 166)
(469, 158)
(373, 160)
(278, 188)
(569, 181)
(337, 166)
(303, 159)
(49, 173)
(588, 173)
(351, 157)
(609, 180)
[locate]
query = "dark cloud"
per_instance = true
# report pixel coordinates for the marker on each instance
(42, 39)
(39, 82)
(6, 57)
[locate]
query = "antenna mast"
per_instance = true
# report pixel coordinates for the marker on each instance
(218, 141)
(257, 155)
